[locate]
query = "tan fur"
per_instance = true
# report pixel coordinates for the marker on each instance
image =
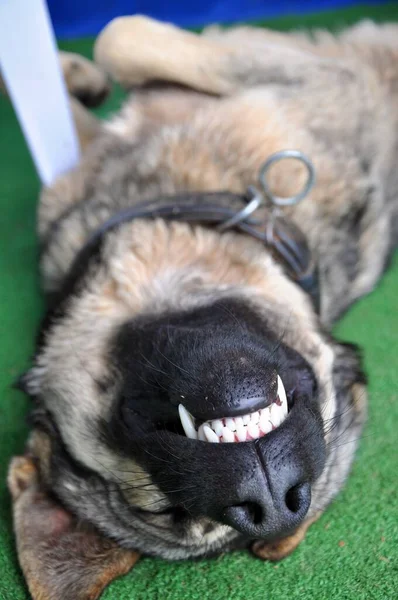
(149, 268)
(131, 49)
(280, 549)
(59, 557)
(206, 150)
(87, 126)
(82, 76)
(252, 93)
(202, 149)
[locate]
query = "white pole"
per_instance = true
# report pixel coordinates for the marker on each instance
(30, 69)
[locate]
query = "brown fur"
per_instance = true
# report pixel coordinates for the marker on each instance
(280, 549)
(83, 79)
(252, 93)
(60, 558)
(205, 150)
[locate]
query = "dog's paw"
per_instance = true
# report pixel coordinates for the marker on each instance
(85, 81)
(22, 474)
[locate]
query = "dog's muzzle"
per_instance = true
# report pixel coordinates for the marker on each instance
(240, 439)
(264, 487)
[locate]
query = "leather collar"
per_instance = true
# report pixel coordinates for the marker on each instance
(247, 214)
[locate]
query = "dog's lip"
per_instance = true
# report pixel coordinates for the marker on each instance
(241, 428)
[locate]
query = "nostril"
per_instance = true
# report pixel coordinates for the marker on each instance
(273, 516)
(244, 516)
(298, 497)
(254, 512)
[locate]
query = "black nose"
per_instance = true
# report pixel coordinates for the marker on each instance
(273, 498)
(259, 516)
(263, 488)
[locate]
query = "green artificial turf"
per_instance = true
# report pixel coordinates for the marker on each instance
(352, 552)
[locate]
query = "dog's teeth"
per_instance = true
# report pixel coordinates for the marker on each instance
(253, 430)
(265, 418)
(217, 426)
(188, 423)
(238, 429)
(267, 427)
(227, 435)
(275, 414)
(255, 417)
(241, 430)
(201, 434)
(282, 394)
(230, 423)
(238, 422)
(210, 435)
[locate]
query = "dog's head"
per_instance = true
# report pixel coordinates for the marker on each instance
(192, 400)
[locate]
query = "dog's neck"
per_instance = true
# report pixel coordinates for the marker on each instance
(116, 174)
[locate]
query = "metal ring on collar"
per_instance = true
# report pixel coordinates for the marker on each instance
(256, 201)
(288, 200)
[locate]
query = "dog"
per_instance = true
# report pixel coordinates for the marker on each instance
(173, 331)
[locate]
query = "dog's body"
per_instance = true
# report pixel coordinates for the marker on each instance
(116, 359)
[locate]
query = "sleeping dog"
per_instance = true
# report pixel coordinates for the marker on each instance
(188, 397)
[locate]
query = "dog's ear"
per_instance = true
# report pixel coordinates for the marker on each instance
(59, 557)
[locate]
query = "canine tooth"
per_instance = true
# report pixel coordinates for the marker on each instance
(217, 426)
(210, 435)
(253, 430)
(227, 435)
(246, 419)
(188, 423)
(230, 423)
(282, 393)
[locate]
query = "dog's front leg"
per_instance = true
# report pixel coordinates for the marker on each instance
(137, 50)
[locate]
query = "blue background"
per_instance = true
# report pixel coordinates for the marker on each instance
(76, 18)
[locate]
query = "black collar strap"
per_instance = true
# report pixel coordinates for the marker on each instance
(280, 235)
(219, 210)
